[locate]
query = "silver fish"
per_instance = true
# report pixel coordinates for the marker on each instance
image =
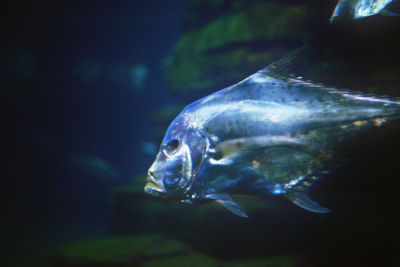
(355, 9)
(268, 134)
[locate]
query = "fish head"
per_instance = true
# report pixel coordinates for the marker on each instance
(177, 163)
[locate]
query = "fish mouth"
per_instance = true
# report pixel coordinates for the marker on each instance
(153, 188)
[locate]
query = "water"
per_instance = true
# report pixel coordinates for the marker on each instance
(53, 113)
(87, 93)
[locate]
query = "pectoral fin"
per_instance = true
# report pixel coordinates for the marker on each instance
(226, 201)
(233, 148)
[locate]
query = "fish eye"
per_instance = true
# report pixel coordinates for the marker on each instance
(171, 146)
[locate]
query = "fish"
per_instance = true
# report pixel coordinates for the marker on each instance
(356, 9)
(139, 75)
(93, 166)
(270, 134)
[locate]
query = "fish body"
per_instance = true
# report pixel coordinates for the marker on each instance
(355, 9)
(268, 134)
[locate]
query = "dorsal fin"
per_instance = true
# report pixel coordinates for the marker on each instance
(285, 67)
(292, 67)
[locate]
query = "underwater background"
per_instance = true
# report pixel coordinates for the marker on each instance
(89, 88)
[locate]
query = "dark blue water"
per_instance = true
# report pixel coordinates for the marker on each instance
(53, 110)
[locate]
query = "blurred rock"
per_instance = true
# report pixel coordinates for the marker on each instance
(210, 228)
(226, 41)
(118, 251)
(245, 37)
(160, 120)
(148, 250)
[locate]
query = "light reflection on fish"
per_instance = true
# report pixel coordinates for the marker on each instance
(268, 134)
(356, 9)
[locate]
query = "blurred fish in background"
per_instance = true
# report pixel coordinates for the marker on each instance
(88, 70)
(356, 9)
(135, 76)
(149, 148)
(94, 166)
(139, 75)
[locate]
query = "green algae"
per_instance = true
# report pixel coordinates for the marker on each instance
(150, 250)
(230, 46)
(194, 259)
(262, 21)
(135, 186)
(121, 249)
(197, 259)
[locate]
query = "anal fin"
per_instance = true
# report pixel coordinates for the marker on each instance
(302, 200)
(298, 193)
(226, 201)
